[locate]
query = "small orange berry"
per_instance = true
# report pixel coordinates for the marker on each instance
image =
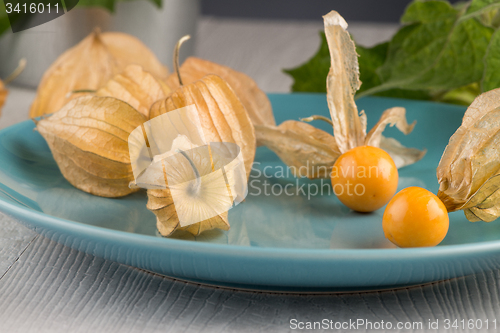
(364, 178)
(415, 217)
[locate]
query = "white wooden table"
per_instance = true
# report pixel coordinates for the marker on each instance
(47, 287)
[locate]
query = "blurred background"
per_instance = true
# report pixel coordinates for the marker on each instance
(352, 10)
(258, 37)
(285, 33)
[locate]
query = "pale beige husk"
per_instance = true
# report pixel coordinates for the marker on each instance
(88, 138)
(223, 119)
(127, 49)
(180, 199)
(137, 87)
(253, 98)
(3, 96)
(89, 66)
(305, 148)
(469, 170)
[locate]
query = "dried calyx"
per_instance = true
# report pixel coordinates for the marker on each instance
(88, 138)
(469, 170)
(252, 97)
(89, 66)
(223, 118)
(308, 148)
(136, 87)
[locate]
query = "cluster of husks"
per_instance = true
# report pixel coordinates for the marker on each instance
(105, 87)
(108, 85)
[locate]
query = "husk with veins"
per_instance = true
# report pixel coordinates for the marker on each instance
(89, 65)
(469, 170)
(252, 97)
(88, 138)
(294, 143)
(308, 151)
(223, 118)
(137, 87)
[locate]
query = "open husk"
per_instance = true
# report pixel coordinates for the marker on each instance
(137, 87)
(89, 66)
(252, 97)
(223, 119)
(307, 150)
(88, 138)
(315, 150)
(469, 170)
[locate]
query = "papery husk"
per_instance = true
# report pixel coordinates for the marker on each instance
(136, 87)
(89, 66)
(342, 83)
(401, 155)
(160, 202)
(469, 170)
(3, 96)
(223, 119)
(179, 176)
(222, 115)
(253, 98)
(88, 138)
(127, 49)
(300, 147)
(307, 150)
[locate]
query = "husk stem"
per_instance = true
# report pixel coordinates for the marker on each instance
(176, 56)
(20, 68)
(312, 118)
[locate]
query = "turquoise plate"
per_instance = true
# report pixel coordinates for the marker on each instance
(295, 241)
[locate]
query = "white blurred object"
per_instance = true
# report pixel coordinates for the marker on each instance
(158, 28)
(205, 179)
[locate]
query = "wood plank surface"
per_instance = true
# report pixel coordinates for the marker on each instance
(53, 288)
(47, 287)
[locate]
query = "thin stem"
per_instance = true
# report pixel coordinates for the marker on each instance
(20, 68)
(311, 118)
(176, 56)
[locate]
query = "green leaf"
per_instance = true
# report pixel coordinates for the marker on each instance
(369, 60)
(462, 95)
(428, 12)
(442, 52)
(491, 77)
(438, 53)
(311, 76)
(478, 7)
(4, 20)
